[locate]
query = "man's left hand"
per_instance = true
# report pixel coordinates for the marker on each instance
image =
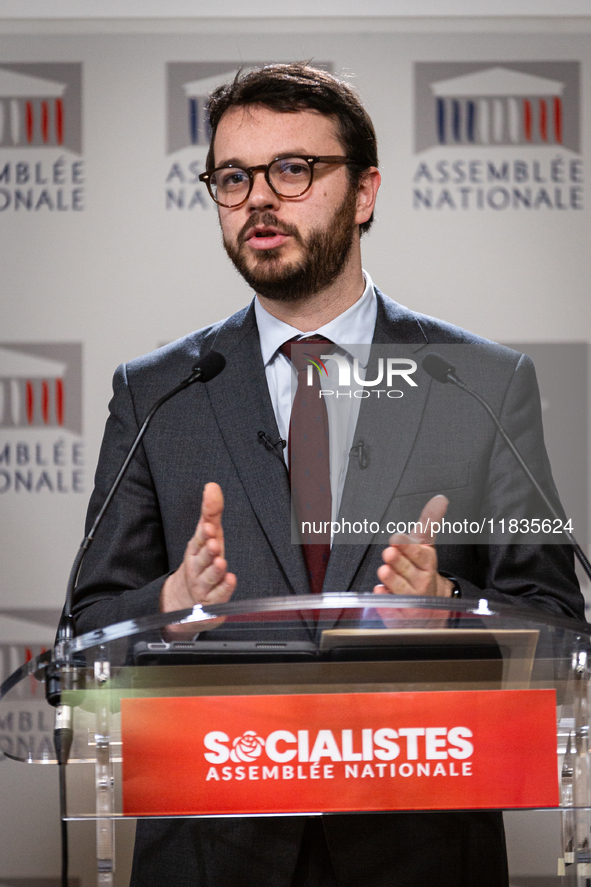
(410, 562)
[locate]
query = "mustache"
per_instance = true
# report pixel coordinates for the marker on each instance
(267, 218)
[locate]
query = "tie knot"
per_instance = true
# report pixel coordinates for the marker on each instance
(312, 348)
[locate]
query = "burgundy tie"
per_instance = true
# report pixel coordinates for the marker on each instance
(309, 459)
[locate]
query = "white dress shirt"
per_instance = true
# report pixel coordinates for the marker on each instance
(353, 332)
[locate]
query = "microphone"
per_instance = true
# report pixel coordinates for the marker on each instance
(64, 671)
(272, 445)
(438, 368)
(359, 451)
(443, 371)
(207, 368)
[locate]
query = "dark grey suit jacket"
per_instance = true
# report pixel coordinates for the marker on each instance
(438, 441)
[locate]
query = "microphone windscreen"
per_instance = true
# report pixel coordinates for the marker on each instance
(437, 367)
(210, 365)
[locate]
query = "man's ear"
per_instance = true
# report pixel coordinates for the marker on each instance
(367, 191)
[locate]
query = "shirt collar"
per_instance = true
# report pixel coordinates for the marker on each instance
(354, 326)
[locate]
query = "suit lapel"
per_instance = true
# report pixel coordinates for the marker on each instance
(240, 400)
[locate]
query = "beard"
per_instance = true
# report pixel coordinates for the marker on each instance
(325, 253)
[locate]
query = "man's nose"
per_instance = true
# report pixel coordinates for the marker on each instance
(262, 195)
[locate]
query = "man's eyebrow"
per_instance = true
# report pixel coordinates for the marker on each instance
(297, 152)
(235, 161)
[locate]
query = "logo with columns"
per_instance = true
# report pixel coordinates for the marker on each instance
(188, 87)
(41, 386)
(518, 104)
(40, 106)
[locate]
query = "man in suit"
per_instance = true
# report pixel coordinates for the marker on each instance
(293, 169)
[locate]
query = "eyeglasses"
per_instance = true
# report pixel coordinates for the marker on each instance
(230, 185)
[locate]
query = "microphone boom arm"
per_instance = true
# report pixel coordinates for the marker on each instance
(209, 367)
(438, 368)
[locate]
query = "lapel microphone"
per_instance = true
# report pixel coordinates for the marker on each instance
(272, 446)
(359, 451)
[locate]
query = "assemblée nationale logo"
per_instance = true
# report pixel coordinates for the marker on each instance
(41, 169)
(188, 86)
(41, 448)
(498, 136)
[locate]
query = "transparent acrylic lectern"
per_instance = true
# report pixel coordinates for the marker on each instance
(318, 705)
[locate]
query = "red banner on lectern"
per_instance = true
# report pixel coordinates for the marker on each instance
(339, 752)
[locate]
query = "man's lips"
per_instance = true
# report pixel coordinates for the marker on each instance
(265, 237)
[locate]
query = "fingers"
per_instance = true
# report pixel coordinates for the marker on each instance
(410, 562)
(409, 569)
(432, 513)
(202, 578)
(210, 520)
(432, 584)
(212, 504)
(410, 557)
(206, 575)
(204, 564)
(213, 585)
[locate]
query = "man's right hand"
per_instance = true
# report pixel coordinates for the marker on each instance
(202, 578)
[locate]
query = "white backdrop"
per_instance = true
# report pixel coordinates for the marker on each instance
(130, 269)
